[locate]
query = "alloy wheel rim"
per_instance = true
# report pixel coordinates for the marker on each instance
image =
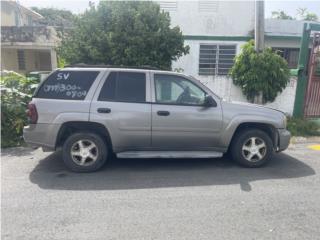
(84, 152)
(254, 149)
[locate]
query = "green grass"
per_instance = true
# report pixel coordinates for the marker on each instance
(303, 127)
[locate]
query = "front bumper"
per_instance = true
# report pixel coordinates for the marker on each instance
(284, 139)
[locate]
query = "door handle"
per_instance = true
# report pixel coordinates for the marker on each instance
(163, 113)
(104, 110)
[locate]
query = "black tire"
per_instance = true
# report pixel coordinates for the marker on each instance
(92, 144)
(239, 146)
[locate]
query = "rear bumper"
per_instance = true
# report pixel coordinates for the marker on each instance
(41, 135)
(284, 139)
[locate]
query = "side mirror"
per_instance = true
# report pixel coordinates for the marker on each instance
(209, 102)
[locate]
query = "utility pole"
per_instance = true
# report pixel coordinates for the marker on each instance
(259, 36)
(259, 25)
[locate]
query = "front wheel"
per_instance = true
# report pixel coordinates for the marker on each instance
(252, 148)
(84, 152)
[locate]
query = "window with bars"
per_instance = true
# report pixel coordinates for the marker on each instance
(216, 59)
(21, 60)
(291, 55)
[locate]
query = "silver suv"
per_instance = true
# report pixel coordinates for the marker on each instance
(92, 112)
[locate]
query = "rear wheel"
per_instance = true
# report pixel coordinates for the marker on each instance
(84, 152)
(252, 148)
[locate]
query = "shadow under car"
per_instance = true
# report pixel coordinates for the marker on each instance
(50, 173)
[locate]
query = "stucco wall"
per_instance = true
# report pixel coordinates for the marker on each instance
(214, 18)
(285, 100)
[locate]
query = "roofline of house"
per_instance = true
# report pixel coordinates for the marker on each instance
(237, 38)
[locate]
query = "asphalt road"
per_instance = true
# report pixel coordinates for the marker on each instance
(161, 199)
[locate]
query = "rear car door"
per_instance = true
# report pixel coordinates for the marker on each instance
(179, 119)
(123, 106)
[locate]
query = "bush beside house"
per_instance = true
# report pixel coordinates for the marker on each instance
(16, 92)
(260, 74)
(303, 127)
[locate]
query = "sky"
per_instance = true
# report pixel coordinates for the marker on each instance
(78, 6)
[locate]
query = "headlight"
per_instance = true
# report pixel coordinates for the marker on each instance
(285, 121)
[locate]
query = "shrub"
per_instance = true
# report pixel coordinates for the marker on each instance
(16, 92)
(258, 73)
(303, 127)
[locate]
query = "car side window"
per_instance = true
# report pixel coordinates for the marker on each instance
(124, 87)
(67, 85)
(177, 90)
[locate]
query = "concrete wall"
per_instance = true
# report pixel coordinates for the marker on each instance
(214, 18)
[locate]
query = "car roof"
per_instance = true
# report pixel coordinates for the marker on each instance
(86, 67)
(83, 65)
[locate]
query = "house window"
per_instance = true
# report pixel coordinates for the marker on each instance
(21, 60)
(216, 59)
(291, 55)
(208, 6)
(168, 5)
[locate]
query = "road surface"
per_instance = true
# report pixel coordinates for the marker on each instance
(161, 199)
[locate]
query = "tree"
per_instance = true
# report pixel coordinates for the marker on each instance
(55, 17)
(311, 17)
(263, 73)
(304, 14)
(281, 15)
(131, 33)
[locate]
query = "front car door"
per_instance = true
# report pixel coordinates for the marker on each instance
(123, 106)
(180, 121)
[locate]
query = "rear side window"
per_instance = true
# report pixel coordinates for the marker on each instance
(70, 85)
(124, 87)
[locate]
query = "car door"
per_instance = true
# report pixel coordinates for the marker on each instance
(123, 106)
(180, 121)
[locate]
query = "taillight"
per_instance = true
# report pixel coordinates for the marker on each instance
(32, 113)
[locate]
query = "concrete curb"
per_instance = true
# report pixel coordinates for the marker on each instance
(295, 139)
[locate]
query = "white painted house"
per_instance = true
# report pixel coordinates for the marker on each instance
(215, 32)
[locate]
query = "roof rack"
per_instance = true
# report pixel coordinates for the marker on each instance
(83, 65)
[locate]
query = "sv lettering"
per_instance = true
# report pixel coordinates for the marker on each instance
(63, 76)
